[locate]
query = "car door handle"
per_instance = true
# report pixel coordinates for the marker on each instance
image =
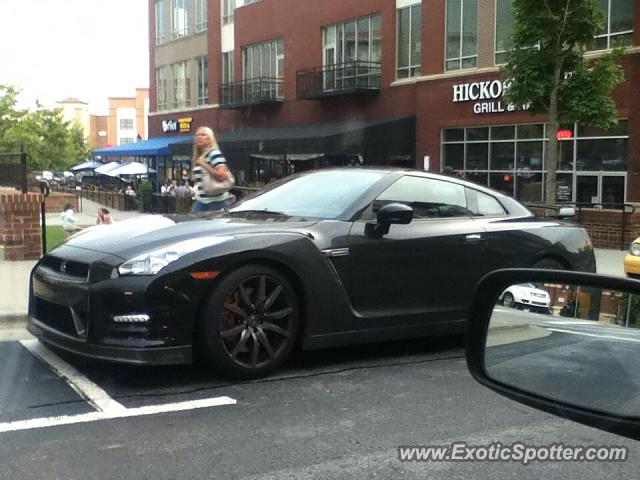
(474, 237)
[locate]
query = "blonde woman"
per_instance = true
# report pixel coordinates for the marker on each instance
(208, 160)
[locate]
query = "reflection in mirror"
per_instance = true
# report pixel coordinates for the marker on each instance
(571, 343)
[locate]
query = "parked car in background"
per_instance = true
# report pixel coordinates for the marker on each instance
(632, 260)
(526, 297)
(319, 259)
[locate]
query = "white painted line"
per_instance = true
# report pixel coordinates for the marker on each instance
(96, 396)
(595, 335)
(125, 413)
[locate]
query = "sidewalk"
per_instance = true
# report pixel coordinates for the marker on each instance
(14, 276)
(88, 214)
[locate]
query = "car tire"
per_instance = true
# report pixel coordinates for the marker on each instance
(250, 322)
(508, 301)
(549, 264)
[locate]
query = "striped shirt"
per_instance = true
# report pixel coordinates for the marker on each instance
(214, 158)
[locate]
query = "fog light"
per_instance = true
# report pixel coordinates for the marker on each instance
(140, 318)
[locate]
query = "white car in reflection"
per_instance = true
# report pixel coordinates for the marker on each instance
(526, 296)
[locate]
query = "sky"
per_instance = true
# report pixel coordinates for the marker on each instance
(87, 49)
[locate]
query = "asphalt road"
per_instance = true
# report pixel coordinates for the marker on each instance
(335, 414)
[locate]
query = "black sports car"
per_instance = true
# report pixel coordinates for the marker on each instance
(326, 258)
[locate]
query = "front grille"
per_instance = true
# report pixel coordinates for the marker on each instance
(55, 316)
(70, 268)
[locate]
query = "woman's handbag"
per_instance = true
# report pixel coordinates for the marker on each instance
(213, 187)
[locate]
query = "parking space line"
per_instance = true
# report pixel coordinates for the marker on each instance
(126, 412)
(92, 393)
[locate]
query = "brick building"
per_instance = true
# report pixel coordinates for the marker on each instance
(295, 84)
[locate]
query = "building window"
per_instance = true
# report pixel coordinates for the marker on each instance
(201, 15)
(179, 18)
(264, 62)
(125, 140)
(409, 41)
(161, 88)
(228, 7)
(358, 40)
(511, 159)
(462, 34)
(161, 29)
(181, 86)
(202, 74)
(227, 67)
(504, 30)
(618, 24)
(126, 124)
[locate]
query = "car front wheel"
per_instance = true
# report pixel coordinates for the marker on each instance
(508, 301)
(250, 322)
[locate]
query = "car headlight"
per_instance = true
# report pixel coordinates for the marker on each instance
(635, 249)
(152, 262)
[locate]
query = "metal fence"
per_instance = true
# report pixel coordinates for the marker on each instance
(155, 203)
(13, 170)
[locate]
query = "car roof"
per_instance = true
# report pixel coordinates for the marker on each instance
(422, 173)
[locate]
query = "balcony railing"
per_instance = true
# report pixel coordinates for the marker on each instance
(339, 79)
(251, 92)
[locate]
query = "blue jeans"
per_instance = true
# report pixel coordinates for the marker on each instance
(210, 207)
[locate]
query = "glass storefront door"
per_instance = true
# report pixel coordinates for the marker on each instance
(587, 190)
(601, 189)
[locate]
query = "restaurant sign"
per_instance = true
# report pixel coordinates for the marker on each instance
(487, 96)
(181, 125)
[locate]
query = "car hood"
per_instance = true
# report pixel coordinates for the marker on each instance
(129, 237)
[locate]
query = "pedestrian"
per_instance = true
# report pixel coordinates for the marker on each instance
(211, 175)
(183, 198)
(104, 217)
(69, 221)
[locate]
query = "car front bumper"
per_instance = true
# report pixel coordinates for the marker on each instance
(129, 355)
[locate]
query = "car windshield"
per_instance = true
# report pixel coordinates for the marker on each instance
(321, 195)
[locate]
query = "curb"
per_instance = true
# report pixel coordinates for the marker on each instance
(13, 319)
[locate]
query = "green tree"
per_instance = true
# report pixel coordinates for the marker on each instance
(547, 69)
(49, 142)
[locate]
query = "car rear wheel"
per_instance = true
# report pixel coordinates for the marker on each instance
(508, 301)
(250, 322)
(549, 264)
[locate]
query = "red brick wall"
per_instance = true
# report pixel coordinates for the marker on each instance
(20, 225)
(56, 201)
(605, 227)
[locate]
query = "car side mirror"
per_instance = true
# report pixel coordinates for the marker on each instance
(563, 342)
(393, 213)
(566, 212)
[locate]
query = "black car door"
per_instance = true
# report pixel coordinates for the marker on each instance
(421, 272)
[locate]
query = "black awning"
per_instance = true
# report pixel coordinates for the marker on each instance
(394, 136)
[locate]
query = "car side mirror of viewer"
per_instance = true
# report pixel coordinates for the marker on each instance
(564, 342)
(394, 213)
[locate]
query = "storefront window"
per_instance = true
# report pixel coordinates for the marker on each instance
(602, 154)
(592, 162)
(529, 186)
(502, 182)
(502, 156)
(454, 156)
(529, 155)
(477, 156)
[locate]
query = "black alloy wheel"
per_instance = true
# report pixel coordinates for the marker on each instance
(250, 323)
(508, 300)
